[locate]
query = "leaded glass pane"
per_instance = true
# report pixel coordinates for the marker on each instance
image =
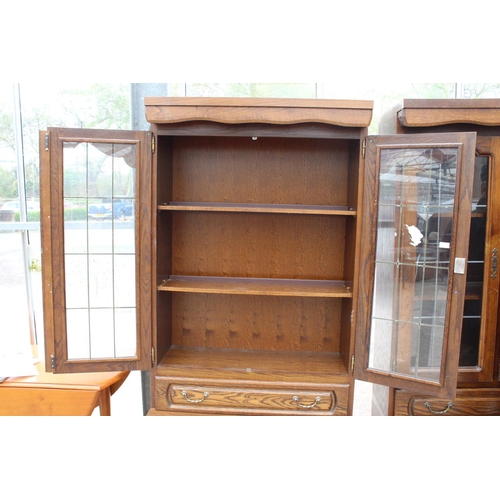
(99, 235)
(412, 261)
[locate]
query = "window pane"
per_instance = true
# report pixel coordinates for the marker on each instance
(303, 90)
(480, 90)
(15, 330)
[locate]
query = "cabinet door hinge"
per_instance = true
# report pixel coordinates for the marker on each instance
(352, 363)
(363, 148)
(47, 141)
(152, 356)
(52, 362)
(152, 144)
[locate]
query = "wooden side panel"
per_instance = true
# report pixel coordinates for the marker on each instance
(162, 248)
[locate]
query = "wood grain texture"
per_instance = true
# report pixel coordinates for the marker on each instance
(258, 208)
(255, 286)
(421, 118)
(249, 400)
(47, 402)
(451, 104)
(437, 112)
(263, 171)
(255, 201)
(255, 110)
(256, 322)
(296, 130)
(48, 394)
(157, 413)
(46, 243)
(468, 402)
(258, 245)
(304, 370)
(258, 102)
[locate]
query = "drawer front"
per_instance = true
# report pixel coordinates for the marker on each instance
(210, 398)
(469, 402)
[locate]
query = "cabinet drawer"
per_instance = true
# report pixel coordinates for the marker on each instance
(234, 399)
(469, 402)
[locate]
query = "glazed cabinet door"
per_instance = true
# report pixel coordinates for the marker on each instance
(413, 260)
(96, 241)
(479, 346)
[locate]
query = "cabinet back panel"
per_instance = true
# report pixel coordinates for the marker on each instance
(267, 170)
(256, 322)
(258, 245)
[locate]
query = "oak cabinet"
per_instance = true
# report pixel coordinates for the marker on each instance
(270, 256)
(478, 352)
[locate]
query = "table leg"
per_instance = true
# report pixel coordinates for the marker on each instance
(105, 402)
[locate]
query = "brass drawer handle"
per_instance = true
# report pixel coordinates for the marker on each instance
(428, 406)
(296, 399)
(196, 401)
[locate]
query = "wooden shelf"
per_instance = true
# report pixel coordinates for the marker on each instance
(241, 364)
(256, 286)
(257, 208)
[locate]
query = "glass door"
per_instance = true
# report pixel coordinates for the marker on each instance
(478, 350)
(415, 233)
(96, 229)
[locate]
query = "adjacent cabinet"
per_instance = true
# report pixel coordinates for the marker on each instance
(257, 256)
(478, 352)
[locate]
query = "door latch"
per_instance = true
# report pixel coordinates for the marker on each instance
(459, 265)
